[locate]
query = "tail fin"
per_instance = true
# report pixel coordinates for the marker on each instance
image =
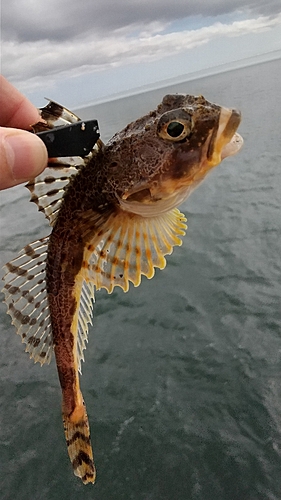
(77, 434)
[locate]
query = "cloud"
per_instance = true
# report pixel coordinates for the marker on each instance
(30, 21)
(23, 61)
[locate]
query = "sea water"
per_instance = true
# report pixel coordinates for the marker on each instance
(181, 375)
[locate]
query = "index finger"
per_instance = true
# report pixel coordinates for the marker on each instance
(16, 110)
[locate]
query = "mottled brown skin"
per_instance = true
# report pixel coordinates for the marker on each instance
(141, 163)
(138, 156)
(64, 262)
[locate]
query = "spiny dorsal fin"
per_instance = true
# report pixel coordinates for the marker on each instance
(48, 188)
(26, 299)
(54, 115)
(126, 246)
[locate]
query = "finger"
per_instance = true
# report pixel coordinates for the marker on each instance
(15, 109)
(22, 156)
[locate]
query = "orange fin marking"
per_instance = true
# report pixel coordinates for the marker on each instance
(121, 246)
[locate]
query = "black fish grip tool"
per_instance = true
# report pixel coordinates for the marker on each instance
(75, 139)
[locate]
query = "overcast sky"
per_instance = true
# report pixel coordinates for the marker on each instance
(81, 51)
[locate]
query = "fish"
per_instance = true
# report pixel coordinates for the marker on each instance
(113, 217)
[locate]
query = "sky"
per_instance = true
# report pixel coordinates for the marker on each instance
(80, 52)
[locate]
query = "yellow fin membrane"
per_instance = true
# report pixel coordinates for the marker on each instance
(125, 246)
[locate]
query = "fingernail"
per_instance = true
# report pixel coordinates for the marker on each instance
(26, 155)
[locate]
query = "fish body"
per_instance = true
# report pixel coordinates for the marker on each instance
(114, 218)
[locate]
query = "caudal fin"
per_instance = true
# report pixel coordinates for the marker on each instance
(77, 434)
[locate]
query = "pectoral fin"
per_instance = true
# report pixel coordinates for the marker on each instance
(121, 247)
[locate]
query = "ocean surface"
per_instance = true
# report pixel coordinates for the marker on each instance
(182, 375)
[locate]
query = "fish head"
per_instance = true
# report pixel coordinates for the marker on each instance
(166, 154)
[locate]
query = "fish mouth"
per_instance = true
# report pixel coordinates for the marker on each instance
(233, 146)
(164, 194)
(225, 141)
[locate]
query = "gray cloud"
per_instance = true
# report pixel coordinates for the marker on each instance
(24, 61)
(26, 20)
(46, 41)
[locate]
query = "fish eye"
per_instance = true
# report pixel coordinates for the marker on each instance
(175, 125)
(175, 129)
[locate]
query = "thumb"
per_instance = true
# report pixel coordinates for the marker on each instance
(22, 156)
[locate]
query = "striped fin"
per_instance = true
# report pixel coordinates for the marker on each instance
(55, 115)
(48, 188)
(26, 300)
(77, 435)
(126, 246)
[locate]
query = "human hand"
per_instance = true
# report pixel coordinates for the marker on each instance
(22, 154)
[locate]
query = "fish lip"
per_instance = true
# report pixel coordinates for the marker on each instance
(225, 141)
(232, 124)
(233, 146)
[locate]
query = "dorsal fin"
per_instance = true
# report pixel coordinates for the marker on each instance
(54, 115)
(48, 188)
(27, 302)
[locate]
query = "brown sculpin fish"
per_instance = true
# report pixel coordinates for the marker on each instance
(114, 218)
